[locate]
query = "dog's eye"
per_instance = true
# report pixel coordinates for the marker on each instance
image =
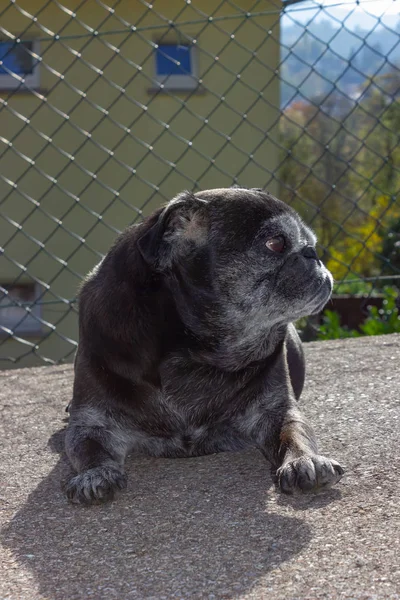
(276, 244)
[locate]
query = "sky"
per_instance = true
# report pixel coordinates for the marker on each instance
(365, 13)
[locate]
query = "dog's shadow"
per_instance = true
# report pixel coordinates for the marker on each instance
(204, 527)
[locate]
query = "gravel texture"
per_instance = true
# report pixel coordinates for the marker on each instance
(211, 527)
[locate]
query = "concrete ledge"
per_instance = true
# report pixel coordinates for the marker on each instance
(210, 527)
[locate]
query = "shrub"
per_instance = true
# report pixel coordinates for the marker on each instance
(380, 321)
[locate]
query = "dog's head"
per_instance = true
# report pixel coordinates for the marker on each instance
(236, 259)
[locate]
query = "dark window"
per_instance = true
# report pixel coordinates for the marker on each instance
(16, 58)
(19, 64)
(176, 66)
(15, 299)
(173, 60)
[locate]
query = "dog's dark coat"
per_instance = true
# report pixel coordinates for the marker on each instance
(186, 344)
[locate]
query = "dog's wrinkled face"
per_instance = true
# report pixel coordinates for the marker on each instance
(242, 258)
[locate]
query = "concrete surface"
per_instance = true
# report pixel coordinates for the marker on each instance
(210, 527)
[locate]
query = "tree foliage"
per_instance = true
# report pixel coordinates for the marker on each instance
(341, 171)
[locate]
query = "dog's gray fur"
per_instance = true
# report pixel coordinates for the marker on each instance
(187, 347)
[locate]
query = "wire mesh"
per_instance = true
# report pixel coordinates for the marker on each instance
(108, 109)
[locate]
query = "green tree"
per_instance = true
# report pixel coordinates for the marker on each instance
(342, 172)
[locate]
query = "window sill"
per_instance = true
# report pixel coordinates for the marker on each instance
(23, 91)
(29, 334)
(166, 91)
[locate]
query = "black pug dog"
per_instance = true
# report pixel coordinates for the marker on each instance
(187, 345)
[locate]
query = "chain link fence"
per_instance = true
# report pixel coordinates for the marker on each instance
(108, 109)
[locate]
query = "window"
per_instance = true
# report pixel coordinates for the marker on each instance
(176, 66)
(12, 312)
(18, 58)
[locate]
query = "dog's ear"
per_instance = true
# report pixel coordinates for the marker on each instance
(181, 226)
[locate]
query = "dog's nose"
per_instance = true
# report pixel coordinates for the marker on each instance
(310, 252)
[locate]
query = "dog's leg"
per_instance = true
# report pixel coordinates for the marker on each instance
(97, 453)
(289, 444)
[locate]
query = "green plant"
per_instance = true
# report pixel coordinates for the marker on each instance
(383, 320)
(391, 245)
(331, 329)
(354, 288)
(380, 321)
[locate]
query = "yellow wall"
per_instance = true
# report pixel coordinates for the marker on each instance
(126, 110)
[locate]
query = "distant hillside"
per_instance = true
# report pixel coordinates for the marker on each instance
(325, 55)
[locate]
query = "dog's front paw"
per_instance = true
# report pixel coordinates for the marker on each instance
(96, 485)
(308, 474)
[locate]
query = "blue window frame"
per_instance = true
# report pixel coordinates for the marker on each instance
(18, 59)
(176, 66)
(173, 60)
(14, 299)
